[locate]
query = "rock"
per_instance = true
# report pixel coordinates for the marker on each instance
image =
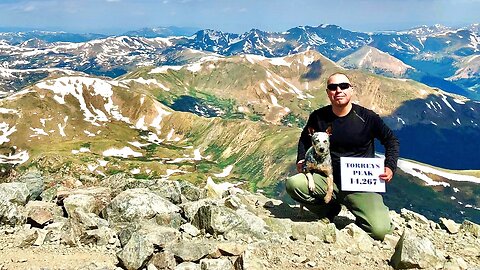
(151, 267)
(410, 215)
(249, 260)
(190, 251)
(390, 241)
(191, 192)
(102, 236)
(450, 225)
(164, 260)
(11, 213)
(34, 181)
(26, 238)
(191, 208)
(40, 213)
(88, 221)
(159, 236)
(216, 264)
(187, 266)
(231, 249)
(361, 240)
(216, 220)
(136, 252)
(470, 227)
(134, 205)
(17, 193)
(325, 232)
(233, 202)
(86, 202)
(167, 189)
(190, 229)
(101, 197)
(41, 236)
(255, 226)
(414, 252)
(282, 227)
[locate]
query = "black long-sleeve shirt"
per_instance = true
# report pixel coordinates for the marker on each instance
(352, 135)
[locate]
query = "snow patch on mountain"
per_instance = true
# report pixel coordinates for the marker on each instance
(226, 171)
(6, 131)
(124, 152)
(18, 158)
(164, 69)
(421, 172)
(279, 61)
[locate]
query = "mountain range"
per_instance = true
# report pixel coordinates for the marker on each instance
(438, 56)
(213, 104)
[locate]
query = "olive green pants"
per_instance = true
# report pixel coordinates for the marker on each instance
(368, 208)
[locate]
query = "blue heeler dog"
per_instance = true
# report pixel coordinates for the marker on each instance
(318, 160)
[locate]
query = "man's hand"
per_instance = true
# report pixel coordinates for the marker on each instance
(311, 183)
(300, 165)
(387, 175)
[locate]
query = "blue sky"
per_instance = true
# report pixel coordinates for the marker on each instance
(117, 16)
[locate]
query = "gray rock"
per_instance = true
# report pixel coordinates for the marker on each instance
(361, 240)
(187, 266)
(233, 202)
(85, 202)
(134, 205)
(34, 181)
(164, 260)
(167, 189)
(255, 225)
(136, 252)
(322, 231)
(231, 249)
(414, 252)
(191, 208)
(89, 221)
(473, 228)
(450, 225)
(101, 197)
(102, 236)
(190, 229)
(216, 264)
(249, 260)
(216, 220)
(410, 215)
(12, 214)
(17, 193)
(159, 236)
(191, 251)
(282, 227)
(191, 192)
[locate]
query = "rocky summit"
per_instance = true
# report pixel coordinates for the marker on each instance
(125, 223)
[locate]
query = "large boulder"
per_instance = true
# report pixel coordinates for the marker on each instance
(217, 220)
(17, 193)
(136, 253)
(415, 252)
(34, 181)
(138, 204)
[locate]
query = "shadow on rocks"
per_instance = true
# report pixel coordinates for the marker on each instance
(286, 211)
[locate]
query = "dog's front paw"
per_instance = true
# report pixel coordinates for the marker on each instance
(327, 198)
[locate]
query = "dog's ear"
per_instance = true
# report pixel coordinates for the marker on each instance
(310, 131)
(329, 130)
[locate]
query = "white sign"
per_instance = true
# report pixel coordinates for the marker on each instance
(362, 174)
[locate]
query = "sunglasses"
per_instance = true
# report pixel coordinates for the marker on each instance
(343, 86)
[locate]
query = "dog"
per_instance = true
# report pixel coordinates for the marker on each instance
(318, 160)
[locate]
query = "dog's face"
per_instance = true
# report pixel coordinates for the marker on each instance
(320, 142)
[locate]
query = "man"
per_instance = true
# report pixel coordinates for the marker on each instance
(353, 129)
